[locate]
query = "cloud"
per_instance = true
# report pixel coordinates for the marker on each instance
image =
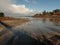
(4, 6)
(10, 8)
(20, 9)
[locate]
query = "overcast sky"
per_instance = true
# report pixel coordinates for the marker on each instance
(27, 7)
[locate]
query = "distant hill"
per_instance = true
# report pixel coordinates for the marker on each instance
(54, 13)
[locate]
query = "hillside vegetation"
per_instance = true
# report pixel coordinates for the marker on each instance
(52, 14)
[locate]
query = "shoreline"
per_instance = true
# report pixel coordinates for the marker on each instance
(14, 22)
(46, 16)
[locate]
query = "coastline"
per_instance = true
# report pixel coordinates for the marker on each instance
(13, 22)
(46, 16)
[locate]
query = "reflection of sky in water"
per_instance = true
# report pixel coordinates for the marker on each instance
(41, 22)
(35, 28)
(37, 25)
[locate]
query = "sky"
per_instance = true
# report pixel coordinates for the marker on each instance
(27, 7)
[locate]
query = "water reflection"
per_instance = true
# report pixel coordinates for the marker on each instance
(55, 21)
(39, 31)
(44, 20)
